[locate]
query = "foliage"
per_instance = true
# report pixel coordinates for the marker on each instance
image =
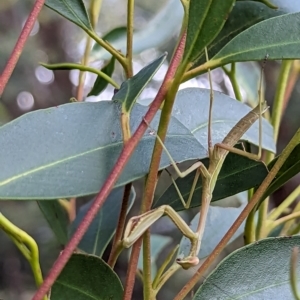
(77, 149)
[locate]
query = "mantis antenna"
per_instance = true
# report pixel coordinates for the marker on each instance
(217, 154)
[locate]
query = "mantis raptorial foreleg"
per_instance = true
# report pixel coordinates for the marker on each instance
(138, 225)
(217, 154)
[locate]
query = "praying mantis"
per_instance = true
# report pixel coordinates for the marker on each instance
(217, 154)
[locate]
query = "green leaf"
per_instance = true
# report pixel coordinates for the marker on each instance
(219, 220)
(158, 243)
(206, 19)
(257, 271)
(100, 83)
(243, 15)
(69, 150)
(57, 219)
(151, 35)
(87, 277)
(290, 168)
(191, 109)
(238, 174)
(132, 87)
(282, 42)
(104, 225)
(73, 10)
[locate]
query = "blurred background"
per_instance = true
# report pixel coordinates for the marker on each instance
(33, 87)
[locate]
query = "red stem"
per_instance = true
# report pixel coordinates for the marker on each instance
(17, 51)
(110, 182)
(130, 278)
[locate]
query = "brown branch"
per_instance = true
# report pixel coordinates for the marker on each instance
(254, 201)
(120, 227)
(17, 51)
(152, 179)
(108, 185)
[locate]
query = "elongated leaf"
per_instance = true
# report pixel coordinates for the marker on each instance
(104, 224)
(152, 35)
(158, 243)
(100, 83)
(69, 150)
(243, 15)
(282, 42)
(290, 168)
(73, 10)
(257, 271)
(87, 277)
(132, 87)
(237, 174)
(57, 219)
(191, 109)
(206, 19)
(219, 220)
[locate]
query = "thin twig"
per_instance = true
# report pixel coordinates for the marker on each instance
(120, 227)
(232, 77)
(130, 16)
(17, 51)
(285, 219)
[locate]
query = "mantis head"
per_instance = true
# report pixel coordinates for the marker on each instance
(188, 262)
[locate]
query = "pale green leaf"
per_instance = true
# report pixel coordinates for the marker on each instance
(69, 150)
(191, 109)
(257, 271)
(132, 87)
